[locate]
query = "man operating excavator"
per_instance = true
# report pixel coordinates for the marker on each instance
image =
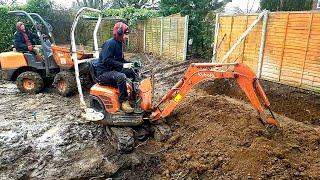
(112, 68)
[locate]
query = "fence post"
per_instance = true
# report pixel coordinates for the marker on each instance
(216, 33)
(161, 36)
(262, 43)
(185, 37)
(144, 36)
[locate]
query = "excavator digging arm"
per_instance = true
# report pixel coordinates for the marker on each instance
(198, 72)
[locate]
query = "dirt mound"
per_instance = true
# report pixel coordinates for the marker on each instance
(297, 104)
(216, 136)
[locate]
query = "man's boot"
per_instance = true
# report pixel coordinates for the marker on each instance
(126, 107)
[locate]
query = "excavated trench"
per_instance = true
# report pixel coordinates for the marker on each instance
(216, 135)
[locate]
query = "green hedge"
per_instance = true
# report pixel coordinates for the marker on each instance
(131, 14)
(7, 29)
(286, 5)
(61, 21)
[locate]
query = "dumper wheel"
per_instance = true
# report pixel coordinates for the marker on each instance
(65, 83)
(30, 82)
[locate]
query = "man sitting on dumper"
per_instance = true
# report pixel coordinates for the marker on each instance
(23, 39)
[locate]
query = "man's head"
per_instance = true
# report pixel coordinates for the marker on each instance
(120, 31)
(20, 27)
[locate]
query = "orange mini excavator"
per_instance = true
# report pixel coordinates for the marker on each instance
(124, 129)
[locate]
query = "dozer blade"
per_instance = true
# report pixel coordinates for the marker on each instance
(92, 115)
(122, 119)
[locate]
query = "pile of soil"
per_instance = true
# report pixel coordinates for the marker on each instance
(216, 135)
(297, 104)
(219, 137)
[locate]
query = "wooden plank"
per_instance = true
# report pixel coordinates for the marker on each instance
(308, 75)
(312, 65)
(272, 60)
(271, 69)
(271, 66)
(270, 73)
(299, 16)
(290, 76)
(313, 69)
(295, 51)
(272, 30)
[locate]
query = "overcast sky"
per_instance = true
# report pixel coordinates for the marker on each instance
(65, 3)
(242, 4)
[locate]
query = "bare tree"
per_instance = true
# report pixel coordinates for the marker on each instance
(134, 3)
(7, 2)
(100, 4)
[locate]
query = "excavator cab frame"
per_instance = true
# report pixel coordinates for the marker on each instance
(90, 113)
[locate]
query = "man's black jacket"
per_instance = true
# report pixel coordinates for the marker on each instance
(111, 57)
(20, 43)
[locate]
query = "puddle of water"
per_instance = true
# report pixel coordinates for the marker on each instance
(8, 88)
(7, 136)
(49, 138)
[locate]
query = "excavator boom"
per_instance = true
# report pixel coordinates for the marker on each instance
(198, 72)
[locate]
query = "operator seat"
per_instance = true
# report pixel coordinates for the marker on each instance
(92, 70)
(93, 73)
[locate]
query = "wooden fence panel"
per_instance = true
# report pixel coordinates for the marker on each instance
(135, 41)
(290, 55)
(311, 73)
(165, 37)
(294, 49)
(252, 45)
(153, 36)
(275, 42)
(231, 28)
(224, 37)
(239, 25)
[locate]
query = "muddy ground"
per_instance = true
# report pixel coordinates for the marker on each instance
(216, 135)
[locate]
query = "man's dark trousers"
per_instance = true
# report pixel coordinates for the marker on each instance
(119, 79)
